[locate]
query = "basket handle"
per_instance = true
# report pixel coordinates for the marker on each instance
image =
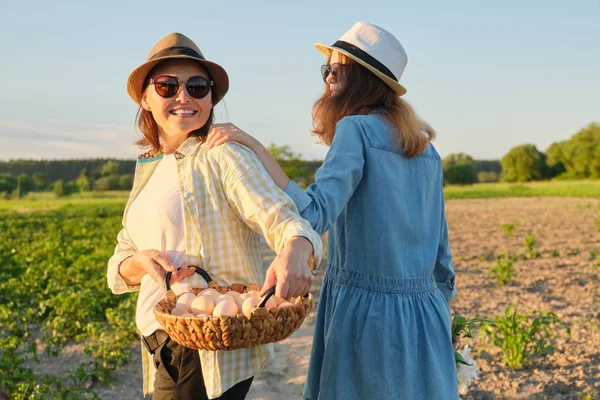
(268, 294)
(199, 271)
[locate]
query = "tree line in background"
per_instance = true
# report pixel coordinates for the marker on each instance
(575, 158)
(64, 177)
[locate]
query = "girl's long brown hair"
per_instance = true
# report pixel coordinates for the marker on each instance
(363, 93)
(149, 128)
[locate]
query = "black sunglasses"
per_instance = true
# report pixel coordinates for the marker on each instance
(332, 69)
(167, 86)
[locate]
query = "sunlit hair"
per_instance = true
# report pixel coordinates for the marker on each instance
(362, 93)
(149, 128)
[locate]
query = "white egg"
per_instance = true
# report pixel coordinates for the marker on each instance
(204, 304)
(249, 304)
(181, 287)
(185, 301)
(238, 298)
(209, 291)
(234, 294)
(178, 311)
(224, 297)
(226, 307)
(244, 296)
(212, 293)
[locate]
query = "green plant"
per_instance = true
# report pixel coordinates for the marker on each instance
(509, 228)
(503, 271)
(597, 221)
(521, 338)
(555, 253)
(530, 242)
(461, 328)
(588, 396)
(53, 278)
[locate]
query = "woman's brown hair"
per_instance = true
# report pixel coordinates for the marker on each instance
(149, 128)
(362, 93)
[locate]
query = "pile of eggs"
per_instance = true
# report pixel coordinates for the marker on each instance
(210, 302)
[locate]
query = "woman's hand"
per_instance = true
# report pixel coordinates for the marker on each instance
(153, 263)
(289, 271)
(228, 132)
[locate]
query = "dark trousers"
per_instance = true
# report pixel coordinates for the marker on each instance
(179, 376)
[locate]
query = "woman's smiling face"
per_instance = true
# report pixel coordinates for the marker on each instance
(181, 114)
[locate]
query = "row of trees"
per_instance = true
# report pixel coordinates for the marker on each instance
(575, 158)
(66, 170)
(19, 177)
(106, 176)
(462, 169)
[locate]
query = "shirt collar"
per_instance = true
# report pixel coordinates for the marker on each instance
(188, 147)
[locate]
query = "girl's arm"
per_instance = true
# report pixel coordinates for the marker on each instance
(337, 178)
(222, 133)
(335, 181)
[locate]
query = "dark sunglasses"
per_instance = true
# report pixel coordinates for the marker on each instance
(167, 86)
(332, 69)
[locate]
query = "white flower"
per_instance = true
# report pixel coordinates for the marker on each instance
(466, 373)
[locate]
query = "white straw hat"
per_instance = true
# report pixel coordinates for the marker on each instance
(375, 49)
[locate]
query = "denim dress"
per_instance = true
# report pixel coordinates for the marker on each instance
(383, 327)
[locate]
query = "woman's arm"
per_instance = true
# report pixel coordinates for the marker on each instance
(123, 251)
(127, 266)
(263, 207)
(222, 133)
(336, 180)
(443, 271)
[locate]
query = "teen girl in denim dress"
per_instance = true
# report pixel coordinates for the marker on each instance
(383, 320)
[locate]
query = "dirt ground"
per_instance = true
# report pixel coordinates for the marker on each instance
(564, 280)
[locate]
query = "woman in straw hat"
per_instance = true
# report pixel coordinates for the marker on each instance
(383, 321)
(191, 206)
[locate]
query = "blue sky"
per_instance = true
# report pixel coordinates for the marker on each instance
(488, 75)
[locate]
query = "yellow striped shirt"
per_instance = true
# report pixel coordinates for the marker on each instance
(229, 202)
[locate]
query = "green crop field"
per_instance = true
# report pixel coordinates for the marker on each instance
(53, 288)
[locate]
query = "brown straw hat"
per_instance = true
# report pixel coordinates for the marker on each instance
(176, 45)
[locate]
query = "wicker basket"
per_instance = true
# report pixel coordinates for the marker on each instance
(231, 332)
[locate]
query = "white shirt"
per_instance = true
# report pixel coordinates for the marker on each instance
(155, 221)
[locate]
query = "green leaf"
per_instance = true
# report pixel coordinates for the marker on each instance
(459, 358)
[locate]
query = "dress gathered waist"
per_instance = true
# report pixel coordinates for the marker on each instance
(381, 284)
